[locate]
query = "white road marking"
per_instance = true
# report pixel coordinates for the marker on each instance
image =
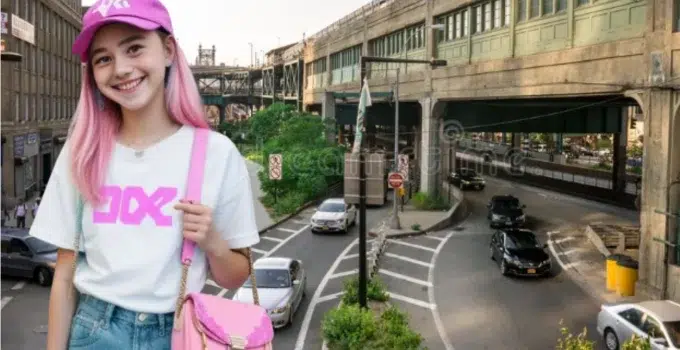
(19, 285)
(572, 251)
(411, 260)
(413, 301)
(351, 256)
(430, 292)
(304, 328)
(286, 229)
(570, 265)
(565, 239)
(259, 251)
(5, 300)
(300, 222)
(212, 283)
(273, 239)
(557, 257)
(405, 278)
(330, 297)
(417, 246)
(344, 274)
(434, 237)
(222, 292)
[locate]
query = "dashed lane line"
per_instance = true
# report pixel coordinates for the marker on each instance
(258, 251)
(286, 229)
(273, 239)
(413, 301)
(5, 300)
(344, 274)
(316, 298)
(19, 285)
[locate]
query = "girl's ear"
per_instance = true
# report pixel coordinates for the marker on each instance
(169, 48)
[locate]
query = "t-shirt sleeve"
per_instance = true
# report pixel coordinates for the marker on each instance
(57, 221)
(234, 213)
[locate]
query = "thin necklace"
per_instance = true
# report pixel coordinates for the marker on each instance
(140, 153)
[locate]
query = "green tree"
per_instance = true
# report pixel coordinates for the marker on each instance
(265, 124)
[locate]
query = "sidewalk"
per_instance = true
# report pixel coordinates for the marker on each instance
(12, 221)
(580, 253)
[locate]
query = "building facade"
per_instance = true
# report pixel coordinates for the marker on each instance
(40, 93)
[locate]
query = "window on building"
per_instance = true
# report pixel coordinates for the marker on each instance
(582, 2)
(17, 107)
(534, 10)
(561, 5)
(497, 16)
(478, 19)
(521, 10)
(547, 7)
(26, 108)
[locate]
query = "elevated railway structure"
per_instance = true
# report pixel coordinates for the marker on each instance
(515, 66)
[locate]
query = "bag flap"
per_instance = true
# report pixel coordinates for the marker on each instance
(232, 323)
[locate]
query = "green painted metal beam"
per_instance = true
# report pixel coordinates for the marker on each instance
(213, 100)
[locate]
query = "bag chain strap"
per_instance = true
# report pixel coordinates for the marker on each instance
(183, 284)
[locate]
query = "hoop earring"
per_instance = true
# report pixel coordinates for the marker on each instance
(99, 99)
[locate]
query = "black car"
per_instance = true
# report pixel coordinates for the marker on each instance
(467, 178)
(506, 211)
(517, 252)
(27, 256)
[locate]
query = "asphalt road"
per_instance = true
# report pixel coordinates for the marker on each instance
(456, 297)
(25, 315)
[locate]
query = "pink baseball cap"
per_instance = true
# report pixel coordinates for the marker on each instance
(144, 14)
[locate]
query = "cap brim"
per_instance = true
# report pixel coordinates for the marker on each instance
(82, 43)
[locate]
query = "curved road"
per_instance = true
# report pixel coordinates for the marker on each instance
(481, 309)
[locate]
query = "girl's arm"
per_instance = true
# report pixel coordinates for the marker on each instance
(228, 268)
(63, 299)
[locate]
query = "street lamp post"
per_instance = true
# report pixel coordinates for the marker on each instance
(394, 222)
(363, 274)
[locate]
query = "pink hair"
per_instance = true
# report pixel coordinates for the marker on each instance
(93, 131)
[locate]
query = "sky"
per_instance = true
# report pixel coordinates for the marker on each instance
(231, 25)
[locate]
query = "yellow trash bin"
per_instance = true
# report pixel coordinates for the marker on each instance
(626, 276)
(611, 268)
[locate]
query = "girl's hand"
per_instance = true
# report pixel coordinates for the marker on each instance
(197, 224)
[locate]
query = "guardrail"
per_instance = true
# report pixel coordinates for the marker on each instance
(354, 16)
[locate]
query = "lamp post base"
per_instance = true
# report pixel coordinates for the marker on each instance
(394, 222)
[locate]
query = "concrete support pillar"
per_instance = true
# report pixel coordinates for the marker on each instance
(658, 170)
(328, 115)
(559, 143)
(430, 167)
(516, 141)
(620, 141)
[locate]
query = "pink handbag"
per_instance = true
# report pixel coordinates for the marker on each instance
(210, 322)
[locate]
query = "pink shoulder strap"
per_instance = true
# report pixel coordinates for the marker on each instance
(194, 182)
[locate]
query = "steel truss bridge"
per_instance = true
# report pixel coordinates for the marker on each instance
(221, 86)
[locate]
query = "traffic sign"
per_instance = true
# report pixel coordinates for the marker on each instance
(395, 179)
(403, 165)
(275, 167)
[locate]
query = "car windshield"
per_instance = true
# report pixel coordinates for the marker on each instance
(468, 172)
(40, 247)
(507, 204)
(673, 329)
(332, 207)
(521, 240)
(272, 278)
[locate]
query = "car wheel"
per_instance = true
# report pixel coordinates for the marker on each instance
(504, 268)
(43, 276)
(611, 341)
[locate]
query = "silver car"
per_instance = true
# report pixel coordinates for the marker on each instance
(658, 319)
(27, 256)
(281, 284)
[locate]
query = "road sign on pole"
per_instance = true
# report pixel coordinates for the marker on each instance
(395, 179)
(403, 165)
(275, 167)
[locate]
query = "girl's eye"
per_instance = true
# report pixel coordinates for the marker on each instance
(102, 59)
(134, 49)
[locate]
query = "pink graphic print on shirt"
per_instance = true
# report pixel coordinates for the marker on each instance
(120, 205)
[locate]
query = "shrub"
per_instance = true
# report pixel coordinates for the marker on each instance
(349, 327)
(579, 342)
(395, 332)
(424, 201)
(415, 227)
(374, 291)
(637, 343)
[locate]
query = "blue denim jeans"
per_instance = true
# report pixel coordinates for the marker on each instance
(103, 326)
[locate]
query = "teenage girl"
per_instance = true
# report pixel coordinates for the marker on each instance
(126, 162)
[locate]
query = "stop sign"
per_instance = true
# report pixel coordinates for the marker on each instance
(395, 179)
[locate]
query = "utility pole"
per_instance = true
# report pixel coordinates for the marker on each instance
(363, 273)
(251, 54)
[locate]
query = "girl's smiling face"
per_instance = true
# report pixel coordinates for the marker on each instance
(129, 64)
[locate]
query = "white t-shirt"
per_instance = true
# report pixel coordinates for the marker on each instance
(133, 251)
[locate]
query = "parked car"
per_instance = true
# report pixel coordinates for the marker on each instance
(281, 284)
(505, 211)
(518, 252)
(334, 215)
(27, 256)
(465, 178)
(655, 319)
